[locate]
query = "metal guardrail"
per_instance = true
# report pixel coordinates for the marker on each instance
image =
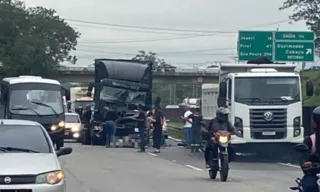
(91, 69)
(175, 127)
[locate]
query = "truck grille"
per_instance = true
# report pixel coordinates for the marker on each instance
(257, 119)
(17, 179)
(260, 126)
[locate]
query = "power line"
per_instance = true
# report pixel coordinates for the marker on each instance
(133, 54)
(147, 40)
(139, 31)
(168, 29)
(167, 52)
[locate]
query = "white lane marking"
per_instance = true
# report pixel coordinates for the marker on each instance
(289, 165)
(152, 154)
(195, 168)
(174, 139)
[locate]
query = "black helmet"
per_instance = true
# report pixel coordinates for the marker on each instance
(222, 114)
(316, 116)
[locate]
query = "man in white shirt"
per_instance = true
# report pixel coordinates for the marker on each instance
(187, 126)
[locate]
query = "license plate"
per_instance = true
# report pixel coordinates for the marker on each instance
(268, 133)
(66, 133)
(136, 130)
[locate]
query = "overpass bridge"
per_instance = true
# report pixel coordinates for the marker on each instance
(180, 76)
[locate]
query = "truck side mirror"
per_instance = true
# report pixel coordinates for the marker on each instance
(223, 89)
(309, 88)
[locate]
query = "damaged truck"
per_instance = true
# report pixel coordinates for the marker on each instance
(119, 85)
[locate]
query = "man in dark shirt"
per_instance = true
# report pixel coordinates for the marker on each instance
(141, 124)
(220, 122)
(309, 180)
(196, 130)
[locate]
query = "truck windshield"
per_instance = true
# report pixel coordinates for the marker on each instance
(122, 95)
(36, 99)
(267, 90)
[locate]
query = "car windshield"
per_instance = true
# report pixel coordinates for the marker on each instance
(33, 99)
(267, 90)
(122, 95)
(24, 137)
(72, 119)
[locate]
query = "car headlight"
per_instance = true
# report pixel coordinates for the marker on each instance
(75, 129)
(53, 127)
(51, 178)
(61, 124)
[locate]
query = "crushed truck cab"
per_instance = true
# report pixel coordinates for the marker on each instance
(119, 86)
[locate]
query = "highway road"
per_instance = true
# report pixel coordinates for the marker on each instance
(99, 169)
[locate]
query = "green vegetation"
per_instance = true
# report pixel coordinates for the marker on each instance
(33, 40)
(314, 76)
(179, 134)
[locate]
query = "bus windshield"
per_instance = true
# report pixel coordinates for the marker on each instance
(36, 99)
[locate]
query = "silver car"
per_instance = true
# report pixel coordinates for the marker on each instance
(28, 160)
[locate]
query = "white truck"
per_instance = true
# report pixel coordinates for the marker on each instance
(209, 100)
(265, 102)
(78, 98)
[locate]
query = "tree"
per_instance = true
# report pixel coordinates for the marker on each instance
(151, 57)
(308, 10)
(33, 40)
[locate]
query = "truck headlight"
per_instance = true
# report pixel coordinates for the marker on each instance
(51, 178)
(53, 127)
(61, 124)
(297, 121)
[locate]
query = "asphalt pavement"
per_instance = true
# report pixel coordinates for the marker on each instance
(99, 169)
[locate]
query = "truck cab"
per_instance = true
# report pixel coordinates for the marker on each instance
(37, 99)
(120, 86)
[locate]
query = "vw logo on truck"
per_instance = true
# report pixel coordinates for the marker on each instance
(268, 116)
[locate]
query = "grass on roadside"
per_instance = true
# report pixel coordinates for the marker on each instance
(178, 134)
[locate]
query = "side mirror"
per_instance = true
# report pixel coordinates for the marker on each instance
(236, 124)
(64, 151)
(223, 89)
(302, 148)
(309, 88)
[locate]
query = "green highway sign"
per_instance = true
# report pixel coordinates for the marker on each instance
(294, 51)
(253, 44)
(276, 45)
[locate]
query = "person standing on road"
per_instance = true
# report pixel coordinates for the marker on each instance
(187, 126)
(157, 120)
(110, 127)
(309, 180)
(196, 130)
(141, 124)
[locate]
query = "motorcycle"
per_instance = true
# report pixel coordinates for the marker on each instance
(302, 148)
(221, 163)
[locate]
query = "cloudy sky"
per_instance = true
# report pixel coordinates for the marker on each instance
(199, 31)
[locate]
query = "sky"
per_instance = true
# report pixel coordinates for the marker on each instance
(198, 32)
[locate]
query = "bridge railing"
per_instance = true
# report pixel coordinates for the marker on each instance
(191, 71)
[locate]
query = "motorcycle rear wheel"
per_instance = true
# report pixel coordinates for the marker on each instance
(224, 172)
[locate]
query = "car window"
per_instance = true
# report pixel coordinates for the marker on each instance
(22, 136)
(72, 119)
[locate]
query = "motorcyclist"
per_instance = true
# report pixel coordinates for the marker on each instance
(220, 122)
(309, 180)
